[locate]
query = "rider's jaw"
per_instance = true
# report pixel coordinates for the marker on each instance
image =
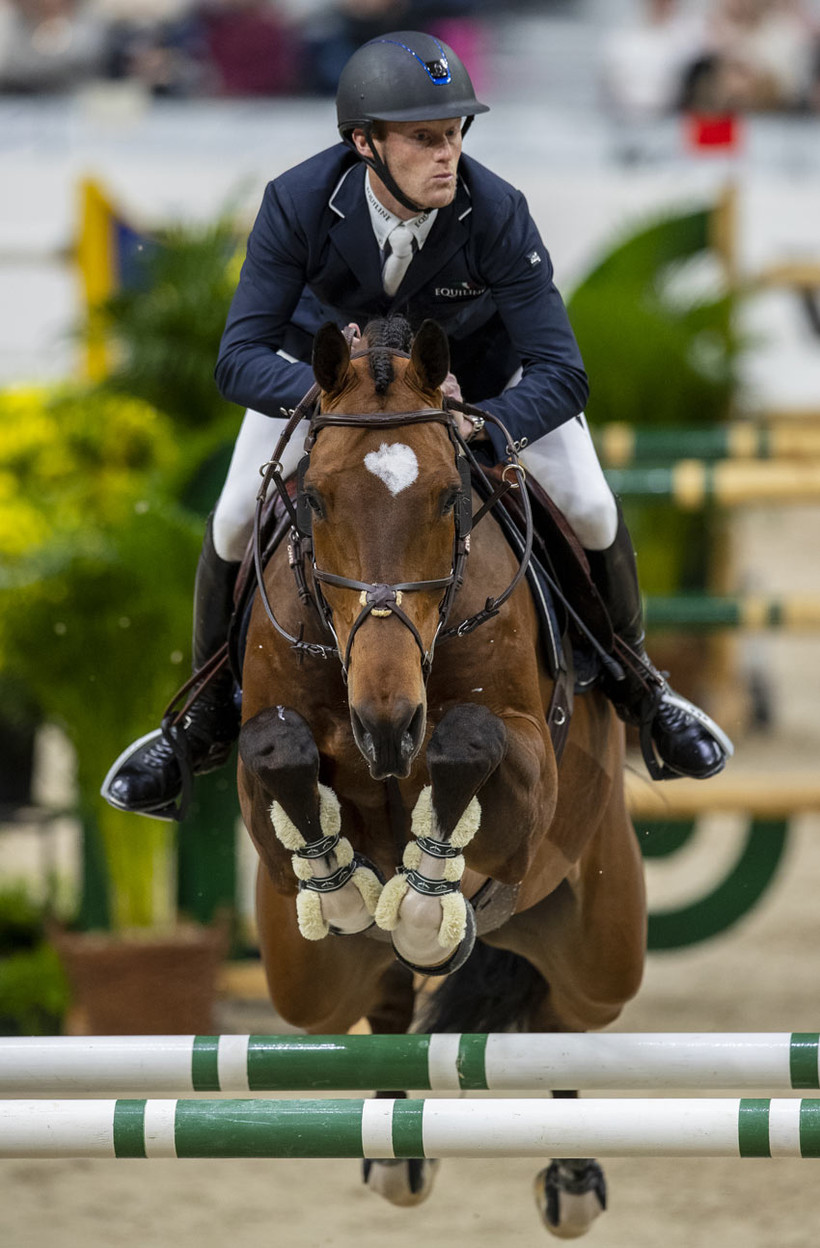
(422, 157)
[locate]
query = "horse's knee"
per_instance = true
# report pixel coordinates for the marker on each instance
(464, 751)
(277, 743)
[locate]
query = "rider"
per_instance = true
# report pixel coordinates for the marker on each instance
(395, 219)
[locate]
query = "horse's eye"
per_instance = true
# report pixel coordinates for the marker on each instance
(448, 500)
(315, 504)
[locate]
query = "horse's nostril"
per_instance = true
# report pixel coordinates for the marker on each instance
(388, 741)
(363, 736)
(415, 729)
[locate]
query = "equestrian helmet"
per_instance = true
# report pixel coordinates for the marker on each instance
(403, 76)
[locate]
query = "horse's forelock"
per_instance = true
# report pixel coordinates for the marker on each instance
(384, 336)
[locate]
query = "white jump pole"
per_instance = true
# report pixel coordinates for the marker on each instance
(67, 1065)
(382, 1128)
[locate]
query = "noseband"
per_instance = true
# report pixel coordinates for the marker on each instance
(380, 600)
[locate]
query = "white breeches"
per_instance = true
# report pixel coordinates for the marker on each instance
(564, 462)
(234, 512)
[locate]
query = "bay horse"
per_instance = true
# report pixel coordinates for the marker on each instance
(397, 773)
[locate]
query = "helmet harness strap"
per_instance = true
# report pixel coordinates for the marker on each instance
(382, 169)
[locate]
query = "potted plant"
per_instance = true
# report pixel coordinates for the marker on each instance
(95, 595)
(102, 493)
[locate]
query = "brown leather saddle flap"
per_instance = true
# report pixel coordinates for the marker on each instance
(558, 550)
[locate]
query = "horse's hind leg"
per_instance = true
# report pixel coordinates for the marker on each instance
(401, 1181)
(338, 890)
(570, 1193)
(422, 906)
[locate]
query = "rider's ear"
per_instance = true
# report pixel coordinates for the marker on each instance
(331, 357)
(430, 356)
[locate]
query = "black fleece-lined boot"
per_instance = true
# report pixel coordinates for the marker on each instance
(677, 737)
(147, 778)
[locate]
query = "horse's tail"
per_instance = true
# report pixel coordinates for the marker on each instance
(494, 990)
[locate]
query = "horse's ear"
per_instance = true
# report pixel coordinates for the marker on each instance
(331, 357)
(430, 356)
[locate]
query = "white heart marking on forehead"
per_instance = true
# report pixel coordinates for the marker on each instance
(395, 464)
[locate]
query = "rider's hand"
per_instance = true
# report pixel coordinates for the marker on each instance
(452, 390)
(354, 336)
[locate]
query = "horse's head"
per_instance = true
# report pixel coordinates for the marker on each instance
(383, 486)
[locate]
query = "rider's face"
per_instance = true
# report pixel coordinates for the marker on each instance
(422, 157)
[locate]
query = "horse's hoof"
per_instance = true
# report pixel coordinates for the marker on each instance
(570, 1195)
(402, 1181)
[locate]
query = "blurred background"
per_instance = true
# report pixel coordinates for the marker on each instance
(670, 153)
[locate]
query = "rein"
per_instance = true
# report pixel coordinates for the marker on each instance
(381, 600)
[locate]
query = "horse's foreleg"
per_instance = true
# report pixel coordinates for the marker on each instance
(338, 890)
(432, 926)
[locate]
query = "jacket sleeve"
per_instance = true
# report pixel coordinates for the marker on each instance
(248, 369)
(553, 388)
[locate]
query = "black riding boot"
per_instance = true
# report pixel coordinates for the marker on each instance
(685, 739)
(147, 778)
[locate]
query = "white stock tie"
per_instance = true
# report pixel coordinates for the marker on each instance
(401, 253)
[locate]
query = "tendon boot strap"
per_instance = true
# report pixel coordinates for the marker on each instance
(456, 959)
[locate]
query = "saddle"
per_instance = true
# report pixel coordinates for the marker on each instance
(570, 608)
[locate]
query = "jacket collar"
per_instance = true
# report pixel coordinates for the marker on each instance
(352, 234)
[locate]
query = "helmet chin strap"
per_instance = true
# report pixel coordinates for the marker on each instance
(382, 170)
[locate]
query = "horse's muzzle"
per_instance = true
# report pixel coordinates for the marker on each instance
(389, 743)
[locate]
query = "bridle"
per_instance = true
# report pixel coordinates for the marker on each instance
(377, 599)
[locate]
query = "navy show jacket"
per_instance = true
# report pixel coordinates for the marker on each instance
(483, 274)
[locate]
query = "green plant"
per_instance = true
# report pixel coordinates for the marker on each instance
(95, 605)
(168, 319)
(655, 324)
(101, 494)
(34, 992)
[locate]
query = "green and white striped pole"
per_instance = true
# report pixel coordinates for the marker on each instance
(621, 445)
(381, 1128)
(68, 1065)
(780, 612)
(692, 483)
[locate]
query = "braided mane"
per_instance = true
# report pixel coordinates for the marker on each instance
(393, 333)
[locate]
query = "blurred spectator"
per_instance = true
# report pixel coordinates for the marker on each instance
(761, 55)
(164, 54)
(333, 34)
(645, 67)
(249, 47)
(48, 45)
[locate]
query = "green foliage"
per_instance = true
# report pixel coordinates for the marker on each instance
(658, 347)
(168, 321)
(657, 335)
(101, 495)
(22, 922)
(95, 586)
(34, 993)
